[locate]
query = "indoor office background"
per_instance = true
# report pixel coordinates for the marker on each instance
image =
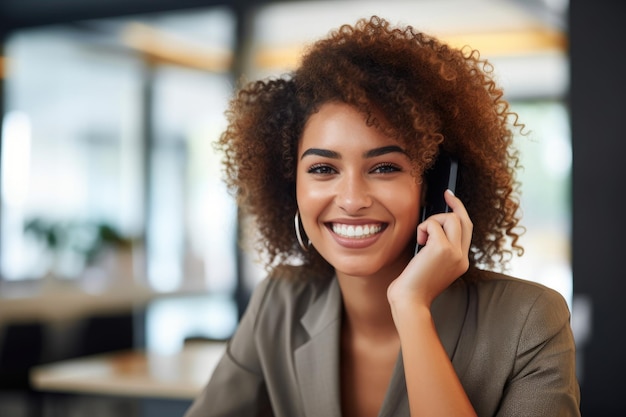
(116, 231)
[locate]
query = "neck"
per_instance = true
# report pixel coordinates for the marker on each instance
(366, 308)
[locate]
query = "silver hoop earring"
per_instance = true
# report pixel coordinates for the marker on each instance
(296, 221)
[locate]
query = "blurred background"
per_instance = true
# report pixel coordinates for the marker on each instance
(116, 231)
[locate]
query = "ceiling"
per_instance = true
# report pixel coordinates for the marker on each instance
(16, 14)
(186, 35)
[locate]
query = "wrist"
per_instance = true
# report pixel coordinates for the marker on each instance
(410, 313)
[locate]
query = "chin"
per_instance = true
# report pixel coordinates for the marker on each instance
(357, 269)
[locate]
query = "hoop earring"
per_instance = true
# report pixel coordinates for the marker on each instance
(296, 221)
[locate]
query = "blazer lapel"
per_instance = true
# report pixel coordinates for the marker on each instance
(317, 360)
(396, 402)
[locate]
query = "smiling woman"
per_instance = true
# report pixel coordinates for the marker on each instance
(361, 326)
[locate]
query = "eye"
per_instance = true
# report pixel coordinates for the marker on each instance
(321, 169)
(386, 168)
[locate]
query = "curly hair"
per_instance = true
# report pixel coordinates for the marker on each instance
(425, 94)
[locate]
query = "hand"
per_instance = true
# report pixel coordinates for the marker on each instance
(443, 258)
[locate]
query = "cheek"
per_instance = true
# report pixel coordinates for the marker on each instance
(310, 200)
(303, 193)
(309, 192)
(403, 202)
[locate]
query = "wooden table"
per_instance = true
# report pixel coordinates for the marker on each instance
(133, 373)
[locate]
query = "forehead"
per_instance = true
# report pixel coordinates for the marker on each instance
(339, 125)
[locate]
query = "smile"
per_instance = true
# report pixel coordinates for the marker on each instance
(356, 232)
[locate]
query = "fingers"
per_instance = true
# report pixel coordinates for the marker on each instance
(454, 228)
(445, 240)
(457, 207)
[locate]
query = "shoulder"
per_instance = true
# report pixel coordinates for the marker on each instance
(514, 304)
(276, 307)
(292, 281)
(502, 291)
(290, 290)
(523, 328)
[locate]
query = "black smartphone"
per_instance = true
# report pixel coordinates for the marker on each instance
(440, 177)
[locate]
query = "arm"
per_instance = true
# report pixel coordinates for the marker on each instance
(432, 384)
(543, 381)
(237, 388)
(232, 391)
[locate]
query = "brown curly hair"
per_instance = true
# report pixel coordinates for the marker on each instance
(427, 95)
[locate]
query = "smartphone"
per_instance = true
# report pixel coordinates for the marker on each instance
(440, 177)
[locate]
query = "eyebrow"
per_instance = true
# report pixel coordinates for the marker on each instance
(382, 151)
(321, 152)
(368, 154)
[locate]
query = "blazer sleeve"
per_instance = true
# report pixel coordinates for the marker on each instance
(236, 387)
(543, 381)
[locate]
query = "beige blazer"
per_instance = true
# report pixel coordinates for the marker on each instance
(509, 340)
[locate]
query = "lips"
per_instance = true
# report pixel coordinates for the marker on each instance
(361, 231)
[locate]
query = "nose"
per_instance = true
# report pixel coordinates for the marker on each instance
(353, 193)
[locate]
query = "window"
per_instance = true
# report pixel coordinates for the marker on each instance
(102, 115)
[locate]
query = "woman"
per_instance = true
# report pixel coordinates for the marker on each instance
(330, 162)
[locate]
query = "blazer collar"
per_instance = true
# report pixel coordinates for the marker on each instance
(317, 360)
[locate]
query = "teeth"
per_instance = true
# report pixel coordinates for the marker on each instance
(358, 232)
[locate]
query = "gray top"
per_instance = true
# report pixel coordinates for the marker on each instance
(510, 342)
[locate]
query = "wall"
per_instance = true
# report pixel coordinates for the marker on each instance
(597, 104)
